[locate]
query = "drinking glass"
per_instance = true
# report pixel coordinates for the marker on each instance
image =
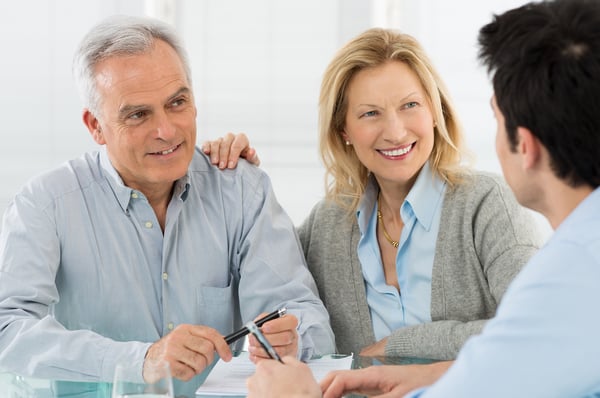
(128, 382)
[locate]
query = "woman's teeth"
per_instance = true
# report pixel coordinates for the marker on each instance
(397, 152)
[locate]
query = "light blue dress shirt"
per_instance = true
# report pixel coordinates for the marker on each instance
(87, 277)
(544, 340)
(420, 212)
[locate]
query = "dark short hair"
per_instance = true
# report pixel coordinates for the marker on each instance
(544, 59)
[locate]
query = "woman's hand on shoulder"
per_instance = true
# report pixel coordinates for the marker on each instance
(225, 151)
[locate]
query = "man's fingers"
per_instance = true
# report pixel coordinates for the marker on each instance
(181, 371)
(286, 322)
(189, 349)
(217, 342)
(283, 338)
(285, 343)
(171, 349)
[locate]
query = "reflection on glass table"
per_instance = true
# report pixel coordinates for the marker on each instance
(14, 386)
(363, 362)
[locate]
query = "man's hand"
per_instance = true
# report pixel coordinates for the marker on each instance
(226, 151)
(382, 381)
(282, 335)
(275, 380)
(189, 349)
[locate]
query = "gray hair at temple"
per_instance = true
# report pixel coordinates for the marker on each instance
(116, 36)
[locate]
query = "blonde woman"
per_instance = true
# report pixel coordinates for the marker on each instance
(411, 250)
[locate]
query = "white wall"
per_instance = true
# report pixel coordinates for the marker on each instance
(257, 66)
(40, 112)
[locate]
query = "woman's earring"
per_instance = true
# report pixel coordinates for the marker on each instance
(347, 143)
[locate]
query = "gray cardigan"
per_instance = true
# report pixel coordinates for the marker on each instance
(484, 239)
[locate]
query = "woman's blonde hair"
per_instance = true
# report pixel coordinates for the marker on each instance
(346, 177)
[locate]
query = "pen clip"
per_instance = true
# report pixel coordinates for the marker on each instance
(263, 341)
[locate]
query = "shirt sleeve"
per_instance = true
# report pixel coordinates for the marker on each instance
(543, 342)
(32, 342)
(273, 271)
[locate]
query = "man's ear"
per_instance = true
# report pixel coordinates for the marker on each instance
(529, 147)
(93, 126)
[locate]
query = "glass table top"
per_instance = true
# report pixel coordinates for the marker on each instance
(14, 386)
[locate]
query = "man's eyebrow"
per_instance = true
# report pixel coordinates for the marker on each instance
(181, 91)
(128, 109)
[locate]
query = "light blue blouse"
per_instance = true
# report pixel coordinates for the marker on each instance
(420, 212)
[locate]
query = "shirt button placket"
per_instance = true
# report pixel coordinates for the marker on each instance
(165, 278)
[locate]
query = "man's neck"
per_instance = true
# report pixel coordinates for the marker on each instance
(561, 199)
(159, 199)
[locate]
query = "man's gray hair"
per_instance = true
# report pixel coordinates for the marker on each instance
(115, 36)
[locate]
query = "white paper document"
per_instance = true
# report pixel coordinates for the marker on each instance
(229, 378)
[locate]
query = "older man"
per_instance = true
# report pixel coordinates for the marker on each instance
(144, 249)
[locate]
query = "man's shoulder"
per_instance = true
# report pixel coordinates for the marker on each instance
(73, 174)
(201, 166)
(66, 179)
(582, 226)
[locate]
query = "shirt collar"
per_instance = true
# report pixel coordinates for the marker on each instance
(425, 196)
(422, 200)
(367, 204)
(578, 215)
(124, 194)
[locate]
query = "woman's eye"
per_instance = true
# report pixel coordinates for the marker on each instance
(370, 113)
(411, 104)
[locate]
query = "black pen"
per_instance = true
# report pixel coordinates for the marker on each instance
(251, 326)
(244, 331)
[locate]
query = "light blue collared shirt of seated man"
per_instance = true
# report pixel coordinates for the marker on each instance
(543, 341)
(420, 212)
(89, 279)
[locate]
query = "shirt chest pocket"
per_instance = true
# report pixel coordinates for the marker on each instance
(216, 306)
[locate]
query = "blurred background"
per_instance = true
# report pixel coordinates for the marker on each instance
(256, 67)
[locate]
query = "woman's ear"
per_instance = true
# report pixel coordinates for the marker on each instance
(93, 125)
(346, 138)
